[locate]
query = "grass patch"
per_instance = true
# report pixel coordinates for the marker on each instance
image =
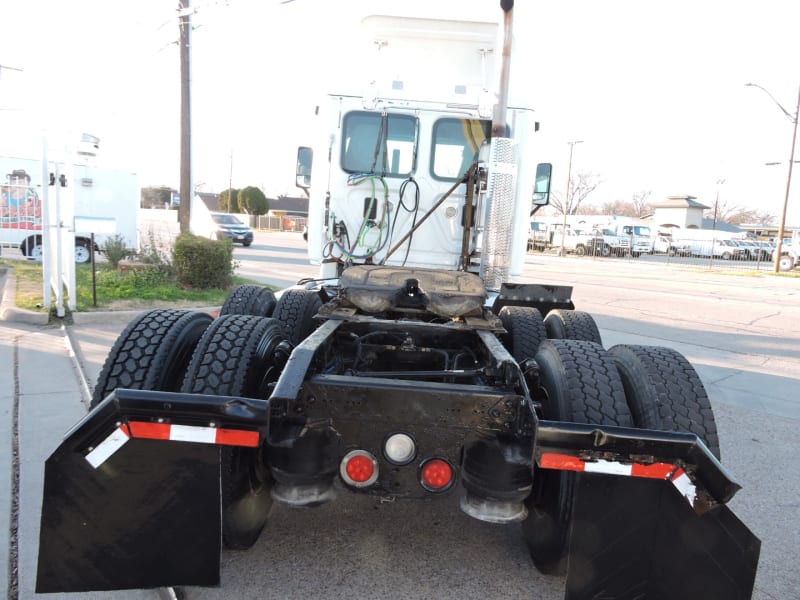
(132, 290)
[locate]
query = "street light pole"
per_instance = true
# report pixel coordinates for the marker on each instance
(566, 194)
(185, 188)
(716, 203)
(782, 225)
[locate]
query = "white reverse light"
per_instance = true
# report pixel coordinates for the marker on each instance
(399, 449)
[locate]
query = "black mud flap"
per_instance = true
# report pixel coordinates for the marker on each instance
(640, 539)
(120, 511)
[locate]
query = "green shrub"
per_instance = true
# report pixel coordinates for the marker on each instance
(203, 263)
(116, 250)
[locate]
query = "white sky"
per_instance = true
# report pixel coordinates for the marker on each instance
(654, 89)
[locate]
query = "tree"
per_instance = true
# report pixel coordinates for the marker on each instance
(225, 205)
(156, 196)
(733, 214)
(253, 201)
(581, 184)
(637, 207)
(641, 206)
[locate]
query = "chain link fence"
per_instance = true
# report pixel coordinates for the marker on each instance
(728, 255)
(278, 222)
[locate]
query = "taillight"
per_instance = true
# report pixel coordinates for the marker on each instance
(436, 475)
(359, 468)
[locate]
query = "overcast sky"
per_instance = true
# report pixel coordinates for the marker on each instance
(655, 90)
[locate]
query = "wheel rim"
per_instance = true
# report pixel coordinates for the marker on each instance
(82, 254)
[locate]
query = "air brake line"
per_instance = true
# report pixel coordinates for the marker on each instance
(467, 176)
(382, 223)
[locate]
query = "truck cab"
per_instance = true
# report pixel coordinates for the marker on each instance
(387, 158)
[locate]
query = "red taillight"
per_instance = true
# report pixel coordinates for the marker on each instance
(359, 468)
(436, 475)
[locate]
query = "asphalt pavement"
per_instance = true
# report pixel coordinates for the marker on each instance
(49, 371)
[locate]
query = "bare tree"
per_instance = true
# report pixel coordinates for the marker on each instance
(581, 184)
(616, 207)
(750, 216)
(640, 204)
(734, 214)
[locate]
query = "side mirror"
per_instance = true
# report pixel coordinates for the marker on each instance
(541, 186)
(305, 157)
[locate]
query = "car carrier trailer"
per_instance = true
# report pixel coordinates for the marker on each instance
(416, 366)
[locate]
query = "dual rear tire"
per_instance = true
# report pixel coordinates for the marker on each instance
(240, 355)
(631, 386)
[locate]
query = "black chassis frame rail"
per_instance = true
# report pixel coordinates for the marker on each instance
(149, 515)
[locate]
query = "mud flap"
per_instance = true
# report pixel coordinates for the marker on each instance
(148, 517)
(129, 503)
(637, 538)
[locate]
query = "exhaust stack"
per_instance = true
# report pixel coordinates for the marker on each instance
(501, 185)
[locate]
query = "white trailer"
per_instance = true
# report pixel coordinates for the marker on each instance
(94, 200)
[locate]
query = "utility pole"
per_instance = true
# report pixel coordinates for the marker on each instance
(793, 118)
(566, 194)
(782, 227)
(186, 191)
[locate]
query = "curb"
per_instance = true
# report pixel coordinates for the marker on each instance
(8, 308)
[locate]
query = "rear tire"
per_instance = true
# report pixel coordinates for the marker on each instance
(32, 248)
(665, 393)
(572, 325)
(581, 385)
(295, 311)
(249, 300)
(83, 254)
(237, 357)
(785, 263)
(151, 353)
(525, 327)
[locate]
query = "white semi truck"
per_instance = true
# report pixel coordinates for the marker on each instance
(93, 200)
(417, 367)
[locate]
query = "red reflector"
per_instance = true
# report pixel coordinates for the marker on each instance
(436, 474)
(152, 431)
(360, 468)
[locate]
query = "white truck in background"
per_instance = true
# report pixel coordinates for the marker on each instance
(635, 234)
(790, 253)
(600, 235)
(93, 200)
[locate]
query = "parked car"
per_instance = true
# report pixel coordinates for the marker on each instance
(750, 250)
(666, 245)
(228, 226)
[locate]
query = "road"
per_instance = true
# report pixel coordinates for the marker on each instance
(741, 333)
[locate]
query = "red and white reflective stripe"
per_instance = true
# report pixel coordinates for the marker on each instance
(167, 431)
(189, 433)
(666, 471)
